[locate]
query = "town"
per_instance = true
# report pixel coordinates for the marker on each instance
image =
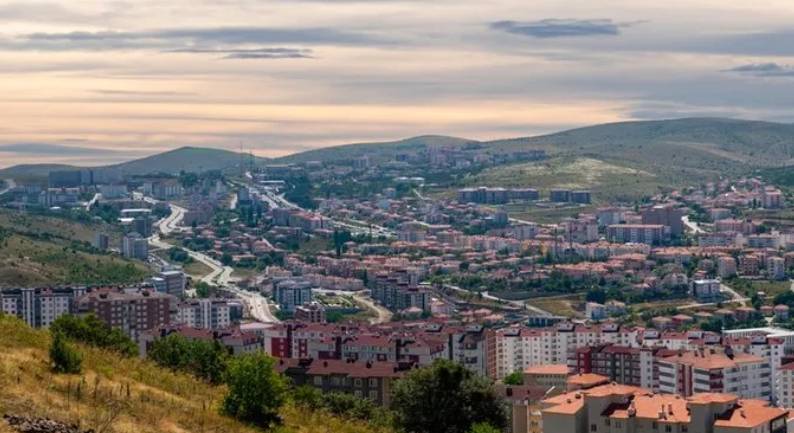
(671, 311)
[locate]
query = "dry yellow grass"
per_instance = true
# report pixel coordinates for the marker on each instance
(116, 394)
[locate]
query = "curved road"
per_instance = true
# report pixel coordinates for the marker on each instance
(220, 275)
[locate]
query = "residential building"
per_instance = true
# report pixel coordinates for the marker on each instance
(39, 307)
(133, 311)
(135, 246)
(666, 215)
(312, 312)
(291, 293)
(204, 313)
(651, 234)
(616, 408)
(171, 282)
(715, 370)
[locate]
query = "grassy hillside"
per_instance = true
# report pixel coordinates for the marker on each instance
(46, 250)
(681, 149)
(376, 151)
(117, 394)
(609, 182)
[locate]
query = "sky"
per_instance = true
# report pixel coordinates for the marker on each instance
(89, 82)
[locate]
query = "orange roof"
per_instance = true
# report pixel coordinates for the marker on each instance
(750, 415)
(711, 397)
(560, 369)
(587, 379)
(658, 407)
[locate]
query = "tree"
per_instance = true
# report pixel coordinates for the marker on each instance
(204, 359)
(91, 330)
(445, 398)
(63, 356)
(227, 259)
(256, 390)
(484, 428)
(596, 295)
(514, 378)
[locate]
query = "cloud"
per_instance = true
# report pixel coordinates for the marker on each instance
(254, 53)
(189, 39)
(764, 70)
(51, 149)
(560, 28)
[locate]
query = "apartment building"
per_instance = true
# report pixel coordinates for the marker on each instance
(625, 365)
(652, 234)
(619, 408)
(364, 379)
(204, 313)
(171, 282)
(291, 293)
(714, 370)
(39, 307)
(133, 311)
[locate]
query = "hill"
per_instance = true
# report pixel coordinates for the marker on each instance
(173, 161)
(44, 250)
(185, 159)
(118, 394)
(691, 147)
(376, 151)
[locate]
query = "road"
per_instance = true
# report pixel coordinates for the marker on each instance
(220, 275)
(9, 185)
(92, 202)
(691, 225)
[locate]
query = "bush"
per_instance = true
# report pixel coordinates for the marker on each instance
(92, 331)
(204, 359)
(63, 356)
(256, 390)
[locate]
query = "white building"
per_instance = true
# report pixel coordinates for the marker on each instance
(204, 313)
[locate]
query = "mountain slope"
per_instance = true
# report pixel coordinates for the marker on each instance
(184, 159)
(706, 145)
(376, 151)
(120, 394)
(172, 162)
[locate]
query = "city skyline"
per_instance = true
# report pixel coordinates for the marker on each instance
(100, 82)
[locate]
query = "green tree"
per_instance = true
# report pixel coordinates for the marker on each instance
(484, 428)
(256, 390)
(64, 357)
(445, 398)
(204, 359)
(514, 378)
(91, 330)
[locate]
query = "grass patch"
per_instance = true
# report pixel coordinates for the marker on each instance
(559, 305)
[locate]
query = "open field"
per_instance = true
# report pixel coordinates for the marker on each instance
(559, 305)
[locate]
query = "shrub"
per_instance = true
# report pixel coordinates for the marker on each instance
(63, 356)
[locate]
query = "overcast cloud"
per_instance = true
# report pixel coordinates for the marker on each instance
(126, 78)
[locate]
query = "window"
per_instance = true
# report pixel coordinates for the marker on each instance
(668, 428)
(357, 382)
(318, 380)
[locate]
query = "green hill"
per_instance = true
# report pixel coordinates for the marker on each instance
(173, 161)
(193, 159)
(119, 394)
(45, 250)
(376, 151)
(693, 148)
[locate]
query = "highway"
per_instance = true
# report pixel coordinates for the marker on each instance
(691, 225)
(9, 185)
(220, 275)
(535, 311)
(734, 297)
